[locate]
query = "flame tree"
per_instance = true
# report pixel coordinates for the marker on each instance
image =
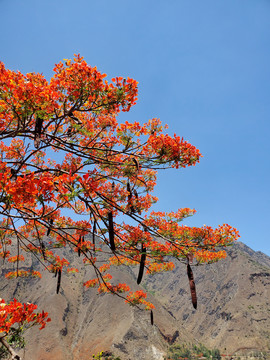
(71, 174)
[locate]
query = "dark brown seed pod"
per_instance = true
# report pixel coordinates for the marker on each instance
(93, 235)
(111, 231)
(38, 125)
(190, 258)
(142, 263)
(43, 250)
(136, 194)
(37, 132)
(128, 187)
(56, 272)
(152, 317)
(130, 205)
(49, 228)
(192, 286)
(58, 281)
(136, 163)
(13, 174)
(79, 243)
(94, 227)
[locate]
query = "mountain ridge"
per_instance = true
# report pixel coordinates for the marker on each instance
(233, 310)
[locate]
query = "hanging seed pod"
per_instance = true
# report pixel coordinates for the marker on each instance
(128, 187)
(42, 250)
(93, 235)
(58, 281)
(136, 163)
(130, 205)
(79, 243)
(136, 194)
(13, 174)
(111, 231)
(152, 317)
(190, 258)
(49, 228)
(56, 272)
(192, 286)
(142, 263)
(37, 132)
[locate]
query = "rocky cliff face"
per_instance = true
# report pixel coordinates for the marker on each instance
(233, 310)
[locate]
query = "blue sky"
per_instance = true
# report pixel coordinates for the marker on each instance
(203, 68)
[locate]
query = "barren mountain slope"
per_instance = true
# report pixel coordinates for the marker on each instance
(233, 300)
(233, 310)
(84, 323)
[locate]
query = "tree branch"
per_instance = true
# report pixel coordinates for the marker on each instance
(14, 355)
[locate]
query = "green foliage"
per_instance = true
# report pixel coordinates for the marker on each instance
(176, 352)
(104, 356)
(15, 340)
(98, 356)
(189, 352)
(216, 354)
(4, 354)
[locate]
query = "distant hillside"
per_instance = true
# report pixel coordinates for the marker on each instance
(84, 323)
(233, 310)
(233, 300)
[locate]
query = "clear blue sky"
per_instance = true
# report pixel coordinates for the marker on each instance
(203, 67)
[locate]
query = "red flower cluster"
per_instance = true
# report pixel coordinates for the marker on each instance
(15, 313)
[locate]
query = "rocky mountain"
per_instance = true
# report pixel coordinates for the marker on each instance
(233, 311)
(233, 300)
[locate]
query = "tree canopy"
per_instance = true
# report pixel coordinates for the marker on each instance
(72, 175)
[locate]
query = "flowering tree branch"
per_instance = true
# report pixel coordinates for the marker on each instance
(71, 174)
